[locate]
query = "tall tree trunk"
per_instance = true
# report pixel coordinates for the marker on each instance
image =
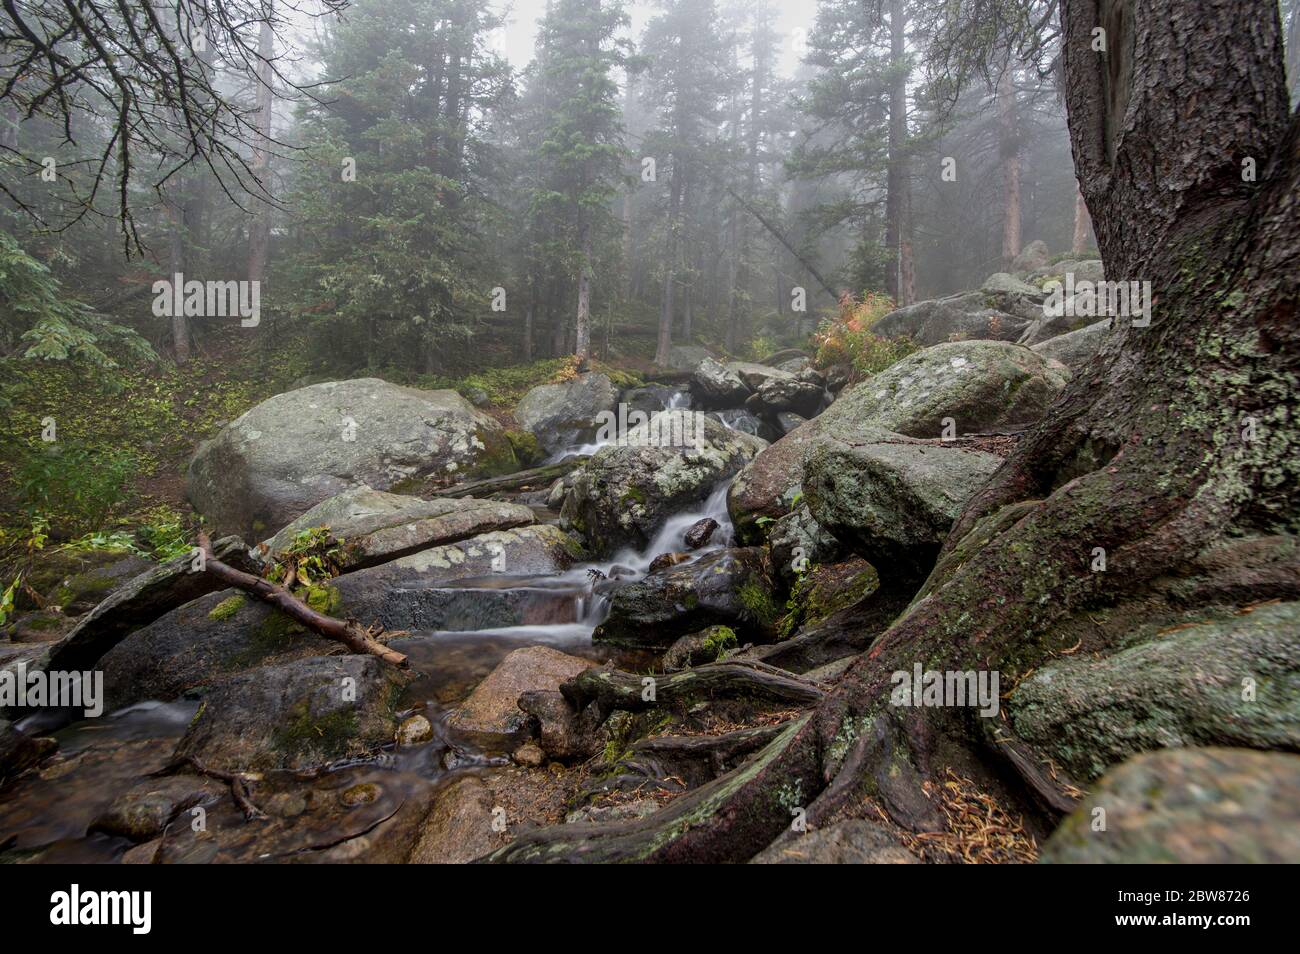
(1143, 455)
(898, 239)
(1009, 155)
(665, 341)
(259, 234)
(582, 325)
(529, 320)
(176, 246)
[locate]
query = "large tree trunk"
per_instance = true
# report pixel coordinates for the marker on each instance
(1082, 224)
(898, 216)
(670, 270)
(582, 346)
(259, 235)
(1143, 454)
(1009, 155)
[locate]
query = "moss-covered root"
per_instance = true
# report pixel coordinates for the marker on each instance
(614, 689)
(727, 820)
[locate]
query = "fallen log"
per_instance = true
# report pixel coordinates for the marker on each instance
(521, 478)
(346, 631)
(614, 689)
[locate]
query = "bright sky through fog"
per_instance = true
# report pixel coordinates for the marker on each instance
(516, 39)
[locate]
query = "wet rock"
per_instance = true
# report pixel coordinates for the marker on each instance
(725, 587)
(664, 560)
(143, 811)
(788, 421)
(300, 715)
(624, 493)
(414, 730)
(851, 842)
(214, 636)
(699, 533)
(562, 733)
(1180, 689)
(20, 751)
(458, 828)
(653, 398)
(1188, 806)
(715, 385)
(893, 500)
(695, 649)
(294, 450)
(766, 487)
(1075, 348)
(137, 602)
(145, 854)
(745, 421)
(376, 526)
(568, 413)
(491, 715)
(797, 542)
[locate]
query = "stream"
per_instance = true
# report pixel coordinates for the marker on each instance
(45, 816)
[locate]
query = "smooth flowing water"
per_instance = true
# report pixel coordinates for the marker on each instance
(46, 815)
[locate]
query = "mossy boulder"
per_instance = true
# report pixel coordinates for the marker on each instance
(1229, 681)
(1187, 806)
(299, 715)
(892, 499)
(726, 587)
(376, 526)
(695, 649)
(625, 492)
(568, 413)
(292, 451)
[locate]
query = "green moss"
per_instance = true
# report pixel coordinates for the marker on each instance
(329, 734)
(760, 605)
(527, 450)
(497, 457)
(228, 607)
(634, 495)
(719, 639)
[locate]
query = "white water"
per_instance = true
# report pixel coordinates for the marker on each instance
(679, 399)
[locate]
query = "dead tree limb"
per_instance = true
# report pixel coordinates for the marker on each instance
(346, 631)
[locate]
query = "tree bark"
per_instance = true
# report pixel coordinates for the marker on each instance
(1144, 453)
(1009, 154)
(898, 204)
(1082, 224)
(259, 234)
(670, 269)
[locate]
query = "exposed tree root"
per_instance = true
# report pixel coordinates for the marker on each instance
(614, 689)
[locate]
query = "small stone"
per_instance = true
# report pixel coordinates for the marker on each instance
(665, 560)
(530, 755)
(414, 731)
(361, 794)
(700, 532)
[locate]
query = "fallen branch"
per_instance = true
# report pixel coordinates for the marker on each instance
(346, 631)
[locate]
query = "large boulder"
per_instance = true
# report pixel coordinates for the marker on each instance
(626, 491)
(1075, 348)
(139, 601)
(715, 385)
(1232, 681)
(1083, 270)
(287, 454)
(1011, 295)
(569, 413)
(653, 398)
(957, 317)
(491, 715)
(376, 526)
(686, 357)
(892, 499)
(796, 394)
(1189, 806)
(459, 827)
(980, 385)
(299, 716)
(726, 587)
